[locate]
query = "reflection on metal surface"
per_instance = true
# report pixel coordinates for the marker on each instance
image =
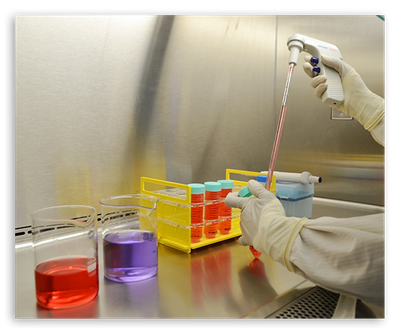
(348, 177)
(221, 281)
(144, 151)
(342, 209)
(216, 82)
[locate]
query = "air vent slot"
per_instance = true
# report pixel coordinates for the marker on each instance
(317, 303)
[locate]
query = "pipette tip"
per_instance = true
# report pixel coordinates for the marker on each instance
(256, 254)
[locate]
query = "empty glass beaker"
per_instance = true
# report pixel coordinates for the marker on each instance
(130, 242)
(65, 251)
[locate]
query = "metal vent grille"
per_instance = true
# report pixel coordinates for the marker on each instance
(317, 303)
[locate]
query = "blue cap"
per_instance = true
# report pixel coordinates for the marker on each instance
(316, 69)
(213, 186)
(226, 183)
(262, 178)
(197, 188)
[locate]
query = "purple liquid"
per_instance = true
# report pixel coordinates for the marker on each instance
(130, 255)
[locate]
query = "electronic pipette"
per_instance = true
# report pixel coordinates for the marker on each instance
(297, 43)
(333, 94)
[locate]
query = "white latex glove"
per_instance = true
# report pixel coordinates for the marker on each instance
(359, 102)
(264, 224)
(251, 210)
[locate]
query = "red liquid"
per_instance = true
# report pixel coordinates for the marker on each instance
(197, 217)
(225, 213)
(66, 282)
(256, 254)
(211, 213)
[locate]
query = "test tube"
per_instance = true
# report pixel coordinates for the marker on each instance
(197, 201)
(262, 179)
(225, 212)
(211, 211)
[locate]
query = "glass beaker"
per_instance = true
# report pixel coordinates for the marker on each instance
(65, 251)
(130, 244)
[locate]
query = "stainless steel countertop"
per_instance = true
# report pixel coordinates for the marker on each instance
(219, 281)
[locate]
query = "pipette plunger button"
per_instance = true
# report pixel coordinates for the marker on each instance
(316, 70)
(314, 61)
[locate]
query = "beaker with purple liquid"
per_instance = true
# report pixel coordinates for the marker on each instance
(130, 249)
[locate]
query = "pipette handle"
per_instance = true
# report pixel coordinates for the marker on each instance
(333, 95)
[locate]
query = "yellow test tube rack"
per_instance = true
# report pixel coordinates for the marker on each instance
(174, 210)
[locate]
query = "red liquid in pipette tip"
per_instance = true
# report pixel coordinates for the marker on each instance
(256, 254)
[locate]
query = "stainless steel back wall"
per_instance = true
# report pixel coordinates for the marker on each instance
(102, 101)
(342, 152)
(216, 95)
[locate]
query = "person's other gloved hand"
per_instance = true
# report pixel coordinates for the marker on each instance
(251, 210)
(359, 102)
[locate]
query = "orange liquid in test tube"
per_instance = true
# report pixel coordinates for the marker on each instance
(211, 209)
(197, 206)
(225, 212)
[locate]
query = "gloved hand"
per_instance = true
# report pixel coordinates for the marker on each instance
(251, 210)
(264, 224)
(359, 102)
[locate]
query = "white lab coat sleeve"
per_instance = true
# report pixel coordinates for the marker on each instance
(378, 133)
(344, 255)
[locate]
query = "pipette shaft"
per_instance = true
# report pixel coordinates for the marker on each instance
(279, 128)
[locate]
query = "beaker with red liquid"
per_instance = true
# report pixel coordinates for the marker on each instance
(65, 252)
